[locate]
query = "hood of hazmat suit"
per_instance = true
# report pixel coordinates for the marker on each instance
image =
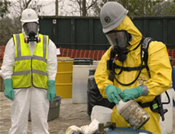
(158, 63)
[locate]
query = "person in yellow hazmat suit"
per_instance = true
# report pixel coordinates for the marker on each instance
(29, 69)
(126, 40)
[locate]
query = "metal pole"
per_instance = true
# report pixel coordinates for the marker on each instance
(56, 8)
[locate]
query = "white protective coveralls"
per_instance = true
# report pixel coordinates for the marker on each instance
(160, 70)
(33, 100)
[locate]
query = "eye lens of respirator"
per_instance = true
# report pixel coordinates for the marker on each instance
(31, 29)
(118, 38)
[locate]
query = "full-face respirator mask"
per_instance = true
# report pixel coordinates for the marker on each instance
(31, 31)
(119, 40)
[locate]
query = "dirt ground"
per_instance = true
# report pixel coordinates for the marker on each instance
(70, 114)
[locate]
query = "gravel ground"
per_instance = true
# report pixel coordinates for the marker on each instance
(70, 114)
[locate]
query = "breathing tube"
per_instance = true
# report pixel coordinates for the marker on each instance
(140, 68)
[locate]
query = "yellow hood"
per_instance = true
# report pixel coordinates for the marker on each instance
(128, 25)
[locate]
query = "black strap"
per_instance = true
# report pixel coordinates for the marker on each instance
(138, 68)
(145, 46)
(129, 68)
(143, 105)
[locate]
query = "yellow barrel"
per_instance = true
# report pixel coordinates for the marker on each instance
(63, 80)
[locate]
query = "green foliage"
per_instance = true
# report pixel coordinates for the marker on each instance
(142, 7)
(4, 8)
(8, 27)
(146, 7)
(169, 8)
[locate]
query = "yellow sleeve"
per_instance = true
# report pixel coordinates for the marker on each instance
(160, 71)
(101, 73)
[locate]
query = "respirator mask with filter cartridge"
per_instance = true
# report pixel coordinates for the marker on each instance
(31, 31)
(119, 40)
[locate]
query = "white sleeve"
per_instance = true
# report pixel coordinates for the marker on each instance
(8, 60)
(52, 61)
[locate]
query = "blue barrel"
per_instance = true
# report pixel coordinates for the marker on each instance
(123, 130)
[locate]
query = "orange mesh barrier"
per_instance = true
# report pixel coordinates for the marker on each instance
(2, 49)
(171, 53)
(76, 53)
(97, 54)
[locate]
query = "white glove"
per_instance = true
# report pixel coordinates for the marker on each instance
(91, 128)
(73, 129)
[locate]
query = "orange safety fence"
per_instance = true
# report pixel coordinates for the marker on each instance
(76, 53)
(2, 48)
(171, 53)
(97, 54)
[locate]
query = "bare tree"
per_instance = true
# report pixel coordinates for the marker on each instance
(19, 5)
(12, 24)
(86, 6)
(81, 7)
(4, 5)
(95, 10)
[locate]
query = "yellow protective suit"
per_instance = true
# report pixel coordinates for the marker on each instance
(160, 70)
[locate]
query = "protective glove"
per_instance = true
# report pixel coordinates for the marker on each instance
(91, 128)
(113, 93)
(51, 94)
(9, 92)
(132, 93)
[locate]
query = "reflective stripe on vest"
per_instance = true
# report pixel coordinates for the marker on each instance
(30, 70)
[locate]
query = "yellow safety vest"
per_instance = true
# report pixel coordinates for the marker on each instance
(30, 70)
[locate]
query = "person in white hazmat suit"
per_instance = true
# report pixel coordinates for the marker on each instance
(29, 69)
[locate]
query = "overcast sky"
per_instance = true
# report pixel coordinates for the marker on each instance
(49, 7)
